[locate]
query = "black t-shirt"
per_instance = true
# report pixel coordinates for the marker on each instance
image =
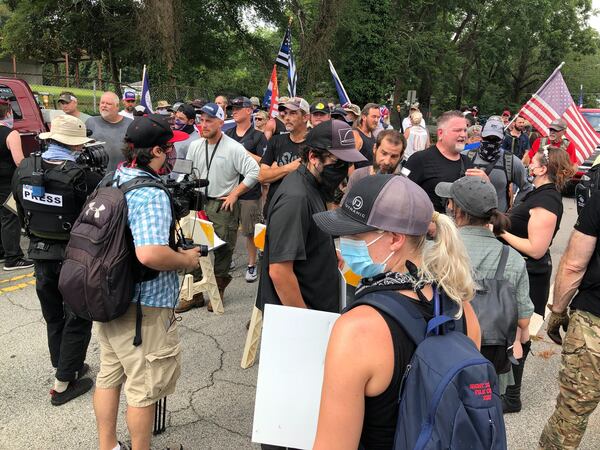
(547, 197)
(588, 296)
(283, 150)
(429, 167)
(255, 142)
(7, 164)
(292, 235)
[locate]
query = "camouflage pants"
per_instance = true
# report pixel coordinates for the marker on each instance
(579, 380)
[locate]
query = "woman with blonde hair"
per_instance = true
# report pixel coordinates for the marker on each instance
(383, 225)
(260, 120)
(417, 136)
(534, 223)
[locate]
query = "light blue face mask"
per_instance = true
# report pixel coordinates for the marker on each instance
(356, 255)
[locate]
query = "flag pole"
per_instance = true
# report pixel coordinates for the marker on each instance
(536, 93)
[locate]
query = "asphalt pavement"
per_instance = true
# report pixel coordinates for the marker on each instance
(214, 402)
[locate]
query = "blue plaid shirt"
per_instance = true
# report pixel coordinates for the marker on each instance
(149, 218)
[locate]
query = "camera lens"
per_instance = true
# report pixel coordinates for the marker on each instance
(203, 250)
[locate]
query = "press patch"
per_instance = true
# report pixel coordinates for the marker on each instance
(47, 199)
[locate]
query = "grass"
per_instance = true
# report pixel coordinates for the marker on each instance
(85, 97)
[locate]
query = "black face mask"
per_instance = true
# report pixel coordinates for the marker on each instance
(489, 151)
(331, 177)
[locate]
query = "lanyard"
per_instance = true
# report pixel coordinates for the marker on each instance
(209, 161)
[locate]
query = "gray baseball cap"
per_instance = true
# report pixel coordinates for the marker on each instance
(493, 127)
(472, 194)
(558, 125)
(380, 202)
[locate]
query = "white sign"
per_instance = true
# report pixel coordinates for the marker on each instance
(290, 375)
(47, 199)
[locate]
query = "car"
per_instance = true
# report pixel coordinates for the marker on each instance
(26, 111)
(593, 117)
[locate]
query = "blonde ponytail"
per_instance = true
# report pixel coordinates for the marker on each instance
(446, 263)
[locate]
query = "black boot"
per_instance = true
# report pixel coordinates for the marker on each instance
(511, 400)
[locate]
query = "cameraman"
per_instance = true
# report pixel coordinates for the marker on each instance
(50, 190)
(150, 370)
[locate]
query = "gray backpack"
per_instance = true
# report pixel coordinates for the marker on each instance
(496, 307)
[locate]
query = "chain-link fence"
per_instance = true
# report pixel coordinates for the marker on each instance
(88, 91)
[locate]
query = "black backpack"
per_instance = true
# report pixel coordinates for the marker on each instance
(496, 309)
(507, 167)
(100, 269)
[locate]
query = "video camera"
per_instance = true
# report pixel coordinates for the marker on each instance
(186, 197)
(94, 157)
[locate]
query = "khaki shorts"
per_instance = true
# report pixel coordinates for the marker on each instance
(249, 215)
(149, 371)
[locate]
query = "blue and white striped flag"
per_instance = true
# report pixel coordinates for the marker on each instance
(145, 99)
(285, 58)
(344, 100)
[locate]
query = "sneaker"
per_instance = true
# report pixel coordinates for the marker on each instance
(251, 274)
(21, 263)
(197, 301)
(81, 372)
(74, 390)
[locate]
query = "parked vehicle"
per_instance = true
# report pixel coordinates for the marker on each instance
(28, 120)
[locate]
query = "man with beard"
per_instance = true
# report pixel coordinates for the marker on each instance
(515, 140)
(387, 155)
(443, 161)
(185, 119)
(363, 133)
(254, 142)
(110, 127)
(501, 166)
(222, 161)
(128, 104)
(300, 263)
(282, 156)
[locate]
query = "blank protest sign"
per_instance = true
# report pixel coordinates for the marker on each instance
(290, 375)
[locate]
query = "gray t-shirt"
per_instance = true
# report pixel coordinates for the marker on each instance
(112, 134)
(498, 177)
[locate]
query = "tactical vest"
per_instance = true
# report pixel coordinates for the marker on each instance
(563, 145)
(52, 215)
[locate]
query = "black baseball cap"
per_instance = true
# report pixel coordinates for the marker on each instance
(380, 202)
(188, 110)
(320, 107)
(337, 138)
(151, 130)
(241, 102)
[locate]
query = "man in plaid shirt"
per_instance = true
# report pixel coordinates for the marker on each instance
(149, 371)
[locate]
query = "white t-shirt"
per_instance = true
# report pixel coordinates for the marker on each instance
(417, 140)
(124, 113)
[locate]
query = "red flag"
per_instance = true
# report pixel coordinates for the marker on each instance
(554, 101)
(272, 93)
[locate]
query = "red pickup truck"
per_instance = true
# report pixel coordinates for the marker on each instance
(27, 114)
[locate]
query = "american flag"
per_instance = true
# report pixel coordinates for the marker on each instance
(285, 58)
(344, 100)
(554, 101)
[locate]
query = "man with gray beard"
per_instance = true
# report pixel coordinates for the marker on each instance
(443, 161)
(110, 127)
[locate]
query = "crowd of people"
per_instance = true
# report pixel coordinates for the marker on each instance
(414, 216)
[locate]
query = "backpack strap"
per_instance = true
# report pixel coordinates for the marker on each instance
(403, 312)
(508, 171)
(138, 183)
(502, 264)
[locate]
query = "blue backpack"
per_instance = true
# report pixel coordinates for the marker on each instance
(449, 395)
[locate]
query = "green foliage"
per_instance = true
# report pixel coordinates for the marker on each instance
(453, 52)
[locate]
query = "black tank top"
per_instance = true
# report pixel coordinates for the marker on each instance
(381, 412)
(7, 165)
(279, 127)
(366, 150)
